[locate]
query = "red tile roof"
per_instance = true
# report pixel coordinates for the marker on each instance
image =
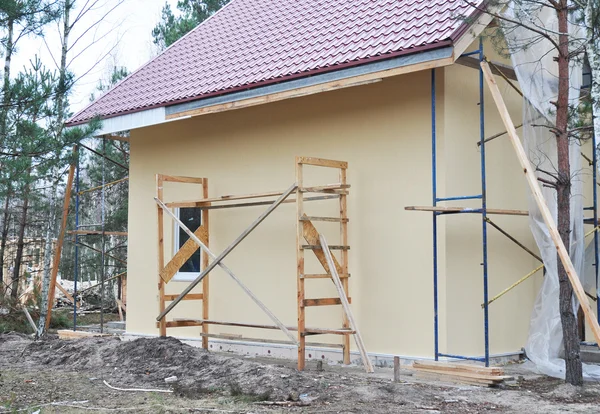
(255, 42)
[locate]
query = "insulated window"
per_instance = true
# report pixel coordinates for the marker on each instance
(192, 218)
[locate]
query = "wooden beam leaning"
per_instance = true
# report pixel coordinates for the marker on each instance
(59, 243)
(218, 260)
(541, 203)
(311, 235)
(346, 305)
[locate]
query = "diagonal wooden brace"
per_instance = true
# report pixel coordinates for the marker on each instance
(183, 254)
(541, 203)
(218, 260)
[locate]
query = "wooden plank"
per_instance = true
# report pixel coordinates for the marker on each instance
(310, 234)
(183, 254)
(323, 301)
(431, 376)
(204, 258)
(321, 162)
(329, 188)
(67, 294)
(468, 210)
(322, 276)
(206, 200)
(318, 247)
(162, 325)
(445, 366)
(30, 319)
(181, 179)
(473, 62)
(465, 374)
(189, 296)
(325, 331)
(68, 334)
(300, 266)
(346, 305)
(326, 219)
(218, 261)
(179, 324)
(541, 203)
(97, 233)
(249, 204)
(59, 242)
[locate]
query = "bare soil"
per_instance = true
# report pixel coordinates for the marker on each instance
(56, 376)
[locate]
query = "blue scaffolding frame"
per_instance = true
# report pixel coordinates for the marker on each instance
(482, 211)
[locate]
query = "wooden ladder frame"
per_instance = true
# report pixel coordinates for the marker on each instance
(166, 272)
(306, 231)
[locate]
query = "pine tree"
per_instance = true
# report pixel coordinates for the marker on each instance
(191, 13)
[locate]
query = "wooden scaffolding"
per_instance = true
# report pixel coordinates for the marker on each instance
(307, 238)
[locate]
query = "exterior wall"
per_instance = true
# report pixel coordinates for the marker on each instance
(384, 131)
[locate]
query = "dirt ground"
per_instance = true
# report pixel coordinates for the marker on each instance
(56, 376)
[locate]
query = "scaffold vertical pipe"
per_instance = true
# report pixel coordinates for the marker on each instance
(435, 216)
(595, 200)
(483, 208)
(103, 214)
(76, 264)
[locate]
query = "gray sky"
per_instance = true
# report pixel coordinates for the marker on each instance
(126, 31)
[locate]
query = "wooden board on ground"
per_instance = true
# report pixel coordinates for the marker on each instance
(446, 366)
(459, 373)
(68, 334)
(436, 376)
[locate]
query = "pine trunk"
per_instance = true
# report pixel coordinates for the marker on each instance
(574, 374)
(5, 227)
(20, 242)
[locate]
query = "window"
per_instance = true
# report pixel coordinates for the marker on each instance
(192, 218)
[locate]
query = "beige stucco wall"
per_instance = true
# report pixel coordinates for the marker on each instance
(383, 131)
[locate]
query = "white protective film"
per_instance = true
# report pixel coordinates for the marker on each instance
(539, 83)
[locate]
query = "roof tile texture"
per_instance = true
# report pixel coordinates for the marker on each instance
(251, 42)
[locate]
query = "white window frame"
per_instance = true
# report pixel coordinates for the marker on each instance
(183, 276)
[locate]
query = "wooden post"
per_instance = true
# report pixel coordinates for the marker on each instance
(300, 266)
(541, 203)
(205, 284)
(61, 237)
(161, 255)
(344, 259)
(396, 369)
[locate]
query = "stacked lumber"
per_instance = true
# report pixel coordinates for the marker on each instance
(461, 373)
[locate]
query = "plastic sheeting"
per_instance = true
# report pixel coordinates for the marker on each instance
(539, 84)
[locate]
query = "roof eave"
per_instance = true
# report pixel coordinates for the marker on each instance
(327, 81)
